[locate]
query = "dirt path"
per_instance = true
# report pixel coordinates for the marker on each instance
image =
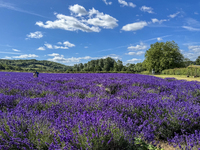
(179, 77)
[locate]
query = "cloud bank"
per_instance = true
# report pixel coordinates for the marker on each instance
(86, 21)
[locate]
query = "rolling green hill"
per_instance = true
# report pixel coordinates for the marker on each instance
(32, 65)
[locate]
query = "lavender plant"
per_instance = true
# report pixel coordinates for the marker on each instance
(97, 111)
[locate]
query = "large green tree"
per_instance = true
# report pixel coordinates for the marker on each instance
(197, 62)
(138, 67)
(162, 56)
(188, 62)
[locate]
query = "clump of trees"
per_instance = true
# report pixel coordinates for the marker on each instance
(163, 56)
(107, 65)
(197, 62)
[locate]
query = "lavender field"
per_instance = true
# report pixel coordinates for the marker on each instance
(97, 112)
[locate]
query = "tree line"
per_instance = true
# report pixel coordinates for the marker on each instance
(160, 56)
(106, 65)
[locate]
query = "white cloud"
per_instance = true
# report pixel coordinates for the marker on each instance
(6, 57)
(9, 52)
(41, 48)
(195, 48)
(196, 13)
(70, 23)
(134, 60)
(53, 54)
(107, 3)
(86, 57)
(159, 39)
(191, 28)
(60, 47)
(86, 47)
(36, 35)
(49, 46)
(192, 56)
(114, 56)
(135, 26)
(131, 53)
(156, 38)
(154, 20)
(26, 56)
(174, 15)
(60, 58)
(67, 43)
(135, 53)
(192, 22)
(147, 9)
(103, 20)
(16, 50)
(77, 9)
(124, 3)
(140, 53)
(142, 46)
(132, 5)
(193, 53)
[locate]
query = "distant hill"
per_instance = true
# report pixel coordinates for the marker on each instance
(32, 64)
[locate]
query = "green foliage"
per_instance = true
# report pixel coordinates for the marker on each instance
(159, 57)
(141, 145)
(112, 140)
(130, 67)
(32, 65)
(139, 68)
(197, 62)
(39, 134)
(146, 72)
(99, 66)
(183, 71)
(2, 67)
(163, 56)
(187, 62)
(106, 65)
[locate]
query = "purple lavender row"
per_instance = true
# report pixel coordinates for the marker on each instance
(97, 111)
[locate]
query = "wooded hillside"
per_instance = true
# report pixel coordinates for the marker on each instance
(32, 65)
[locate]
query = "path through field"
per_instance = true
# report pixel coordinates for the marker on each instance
(179, 77)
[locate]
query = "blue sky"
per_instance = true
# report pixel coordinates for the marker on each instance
(77, 31)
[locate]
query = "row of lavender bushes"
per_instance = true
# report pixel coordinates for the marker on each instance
(97, 112)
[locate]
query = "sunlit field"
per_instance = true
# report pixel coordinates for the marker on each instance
(98, 112)
(179, 77)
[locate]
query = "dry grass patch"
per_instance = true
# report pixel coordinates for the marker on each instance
(178, 77)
